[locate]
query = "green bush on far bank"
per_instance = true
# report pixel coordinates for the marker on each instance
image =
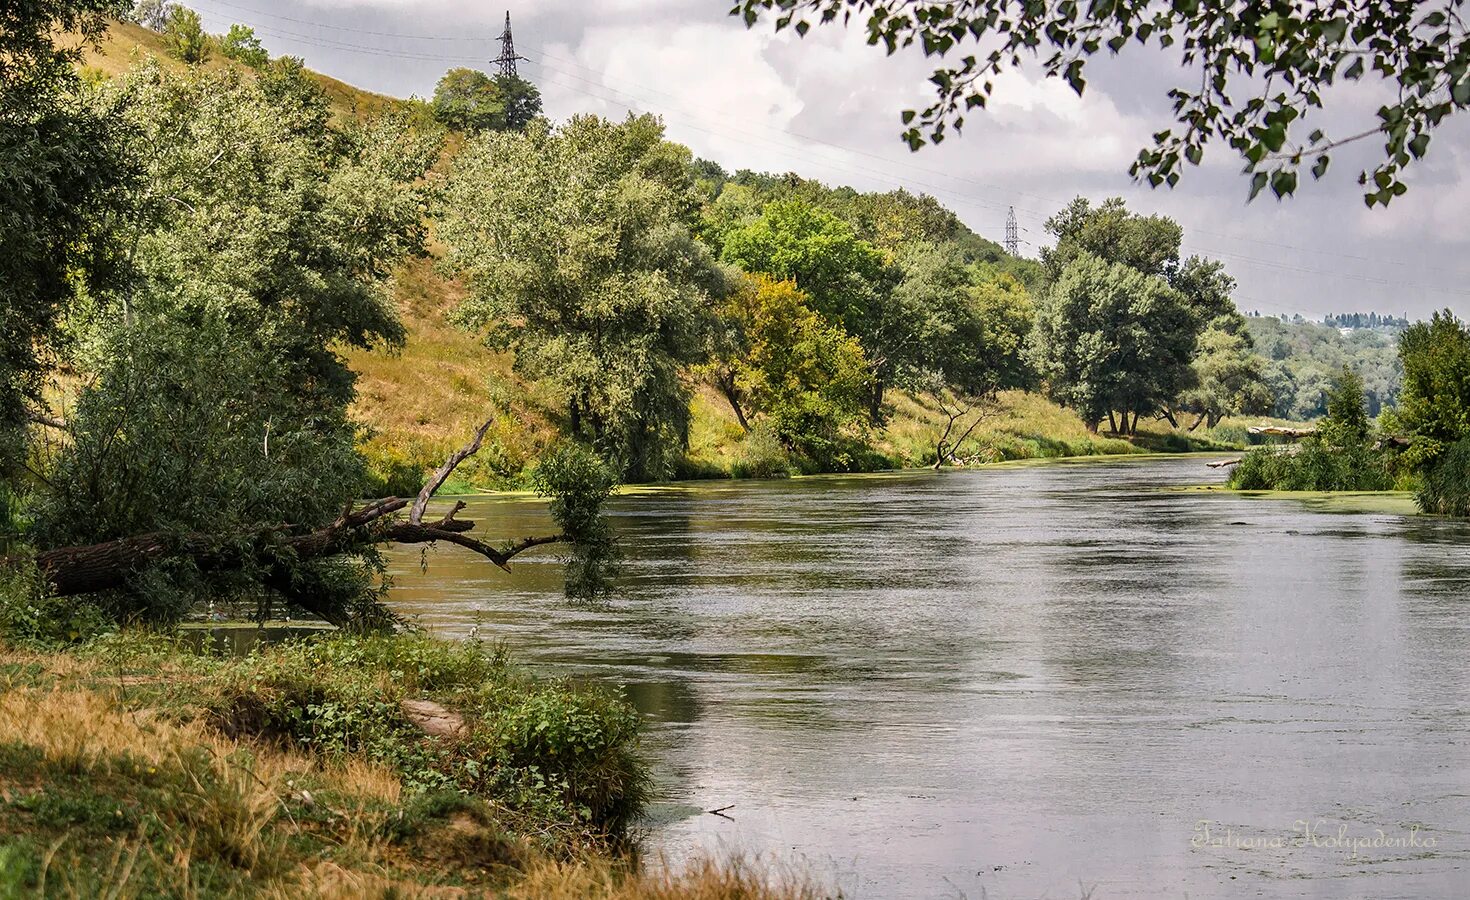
(1446, 486)
(1339, 456)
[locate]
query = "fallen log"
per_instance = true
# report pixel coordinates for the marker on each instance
(1224, 463)
(1281, 431)
(113, 564)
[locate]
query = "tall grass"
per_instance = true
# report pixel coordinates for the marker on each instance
(1313, 465)
(1446, 486)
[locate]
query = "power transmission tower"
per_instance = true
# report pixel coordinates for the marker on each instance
(1013, 239)
(507, 58)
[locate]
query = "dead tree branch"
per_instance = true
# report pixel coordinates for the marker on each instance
(436, 481)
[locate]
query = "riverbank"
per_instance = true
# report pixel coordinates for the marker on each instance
(330, 766)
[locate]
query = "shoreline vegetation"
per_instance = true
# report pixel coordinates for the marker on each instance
(335, 765)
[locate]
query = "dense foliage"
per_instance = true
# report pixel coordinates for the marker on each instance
(781, 364)
(1302, 358)
(217, 400)
(62, 177)
(1434, 407)
(576, 243)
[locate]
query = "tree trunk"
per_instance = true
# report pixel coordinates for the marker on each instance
(1133, 429)
(1199, 420)
(725, 381)
(875, 407)
(1169, 415)
(1112, 423)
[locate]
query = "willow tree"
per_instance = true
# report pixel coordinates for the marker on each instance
(211, 425)
(1111, 339)
(576, 244)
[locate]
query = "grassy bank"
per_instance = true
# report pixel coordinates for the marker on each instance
(332, 766)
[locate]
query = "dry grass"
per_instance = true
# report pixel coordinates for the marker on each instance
(422, 402)
(701, 879)
(126, 44)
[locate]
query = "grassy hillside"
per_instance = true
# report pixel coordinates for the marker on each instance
(419, 403)
(127, 44)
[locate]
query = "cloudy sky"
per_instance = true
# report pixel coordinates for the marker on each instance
(827, 107)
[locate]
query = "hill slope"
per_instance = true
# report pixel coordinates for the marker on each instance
(420, 402)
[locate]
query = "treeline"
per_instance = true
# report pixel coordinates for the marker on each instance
(1366, 320)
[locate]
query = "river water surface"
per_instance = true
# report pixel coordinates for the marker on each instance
(1022, 682)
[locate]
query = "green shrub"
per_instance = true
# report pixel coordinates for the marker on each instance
(30, 616)
(1338, 457)
(551, 751)
(1446, 487)
(761, 455)
(1313, 466)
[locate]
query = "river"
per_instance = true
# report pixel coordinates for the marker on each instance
(1022, 682)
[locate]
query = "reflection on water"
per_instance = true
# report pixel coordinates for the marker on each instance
(1016, 681)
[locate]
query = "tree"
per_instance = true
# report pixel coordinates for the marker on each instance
(470, 101)
(783, 363)
(1434, 405)
(215, 402)
(845, 277)
(467, 100)
(1255, 73)
(1111, 338)
(1229, 377)
(1149, 244)
(521, 99)
(895, 219)
(1207, 287)
(1346, 421)
(967, 325)
(62, 180)
(152, 13)
(242, 45)
(184, 36)
(576, 245)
